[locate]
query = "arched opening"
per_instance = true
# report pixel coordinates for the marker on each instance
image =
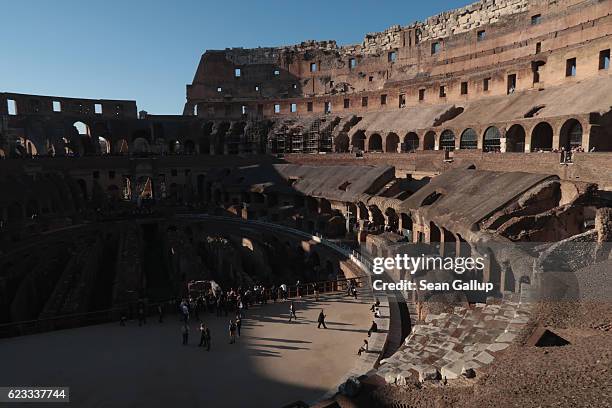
(141, 145)
(121, 147)
(429, 140)
(447, 140)
(358, 140)
(407, 226)
(469, 139)
(391, 143)
(434, 233)
(375, 143)
(68, 148)
(571, 135)
(411, 142)
(341, 144)
(450, 243)
(392, 218)
(174, 146)
(515, 139)
(492, 140)
(542, 137)
(376, 217)
(105, 147)
(364, 214)
(189, 147)
(82, 128)
(29, 147)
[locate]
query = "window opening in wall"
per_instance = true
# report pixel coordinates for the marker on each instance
(352, 63)
(276, 108)
(219, 89)
(57, 106)
(421, 94)
(294, 86)
(536, 19)
(481, 35)
(570, 67)
(244, 109)
(331, 84)
(98, 108)
(309, 106)
(464, 88)
(256, 88)
(276, 72)
(392, 56)
(435, 48)
(327, 107)
(35, 105)
(604, 59)
(442, 91)
(313, 67)
(364, 101)
(347, 103)
(485, 84)
(12, 106)
(237, 73)
(383, 99)
(535, 67)
(538, 47)
(293, 107)
(402, 100)
(511, 83)
(370, 79)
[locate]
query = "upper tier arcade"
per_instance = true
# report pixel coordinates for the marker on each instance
(486, 49)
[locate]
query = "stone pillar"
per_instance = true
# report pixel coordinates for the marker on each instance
(556, 140)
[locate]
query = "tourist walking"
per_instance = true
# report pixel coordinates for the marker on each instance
(232, 331)
(238, 324)
(202, 334)
(207, 338)
(373, 328)
(292, 312)
(321, 320)
(185, 332)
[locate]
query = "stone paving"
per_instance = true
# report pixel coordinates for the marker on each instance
(448, 344)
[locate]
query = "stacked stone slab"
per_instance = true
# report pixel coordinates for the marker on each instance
(448, 344)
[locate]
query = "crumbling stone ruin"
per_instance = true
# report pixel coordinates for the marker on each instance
(482, 131)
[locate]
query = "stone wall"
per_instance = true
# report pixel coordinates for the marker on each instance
(468, 18)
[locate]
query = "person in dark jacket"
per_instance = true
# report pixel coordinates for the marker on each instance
(321, 320)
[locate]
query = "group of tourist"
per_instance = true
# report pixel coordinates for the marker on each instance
(375, 309)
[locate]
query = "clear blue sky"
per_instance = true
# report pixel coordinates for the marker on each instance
(149, 50)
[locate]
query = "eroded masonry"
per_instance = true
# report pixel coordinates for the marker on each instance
(485, 130)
